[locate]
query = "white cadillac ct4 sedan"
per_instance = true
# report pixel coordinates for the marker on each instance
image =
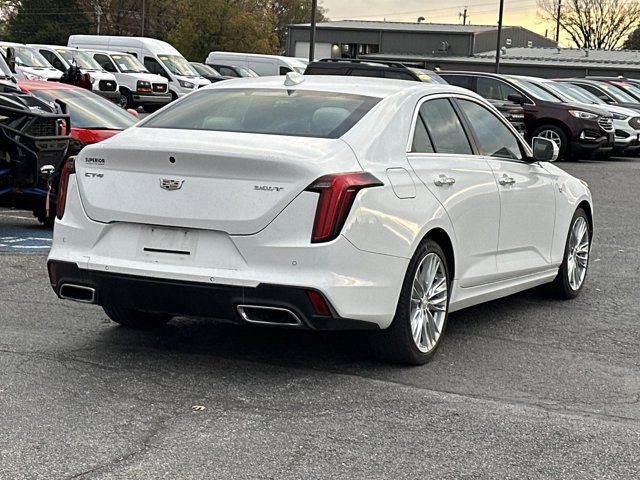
(319, 203)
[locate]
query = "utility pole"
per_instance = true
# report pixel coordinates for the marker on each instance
(464, 16)
(558, 21)
(144, 7)
(499, 36)
(312, 37)
(98, 11)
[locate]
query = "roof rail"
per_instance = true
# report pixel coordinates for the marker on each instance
(354, 60)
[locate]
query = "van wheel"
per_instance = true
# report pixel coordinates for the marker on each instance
(126, 100)
(136, 318)
(556, 135)
(421, 315)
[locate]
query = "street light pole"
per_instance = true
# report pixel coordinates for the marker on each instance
(498, 46)
(312, 35)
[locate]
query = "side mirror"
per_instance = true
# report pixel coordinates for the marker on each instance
(133, 112)
(605, 99)
(544, 150)
(516, 98)
(11, 59)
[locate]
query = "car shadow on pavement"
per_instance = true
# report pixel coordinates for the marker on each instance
(204, 337)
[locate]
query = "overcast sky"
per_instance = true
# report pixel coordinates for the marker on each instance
(516, 12)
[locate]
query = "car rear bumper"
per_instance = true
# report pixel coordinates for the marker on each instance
(224, 302)
(157, 99)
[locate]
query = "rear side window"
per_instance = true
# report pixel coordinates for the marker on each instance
(444, 127)
(299, 113)
(460, 81)
(421, 141)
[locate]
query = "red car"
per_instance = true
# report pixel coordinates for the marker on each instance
(93, 119)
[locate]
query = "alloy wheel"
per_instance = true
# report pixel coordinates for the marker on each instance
(551, 135)
(123, 101)
(429, 297)
(578, 254)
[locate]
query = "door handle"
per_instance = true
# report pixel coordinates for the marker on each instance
(442, 180)
(506, 180)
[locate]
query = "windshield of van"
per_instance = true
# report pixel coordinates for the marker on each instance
(128, 63)
(299, 113)
(178, 65)
(28, 57)
(79, 58)
(534, 90)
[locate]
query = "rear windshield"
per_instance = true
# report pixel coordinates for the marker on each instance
(299, 113)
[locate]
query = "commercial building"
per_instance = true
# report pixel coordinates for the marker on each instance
(351, 38)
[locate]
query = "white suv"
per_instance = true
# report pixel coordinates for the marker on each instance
(321, 203)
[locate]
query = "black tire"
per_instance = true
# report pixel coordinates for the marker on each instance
(126, 100)
(565, 152)
(561, 288)
(135, 318)
(43, 218)
(396, 344)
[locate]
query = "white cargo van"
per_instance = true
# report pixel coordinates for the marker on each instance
(263, 65)
(103, 83)
(138, 87)
(157, 56)
(30, 64)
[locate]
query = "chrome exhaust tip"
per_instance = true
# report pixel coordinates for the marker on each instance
(274, 316)
(77, 293)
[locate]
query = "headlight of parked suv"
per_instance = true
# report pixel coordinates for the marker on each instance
(584, 115)
(186, 84)
(619, 116)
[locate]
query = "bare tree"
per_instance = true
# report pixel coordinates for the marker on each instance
(594, 23)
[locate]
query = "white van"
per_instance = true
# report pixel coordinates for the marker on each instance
(263, 65)
(157, 56)
(138, 87)
(30, 64)
(103, 83)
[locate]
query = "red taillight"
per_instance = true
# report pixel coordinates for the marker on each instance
(337, 193)
(318, 303)
(68, 168)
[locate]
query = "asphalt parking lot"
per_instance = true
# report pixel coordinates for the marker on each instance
(523, 387)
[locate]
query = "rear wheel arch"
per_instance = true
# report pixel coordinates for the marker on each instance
(442, 238)
(586, 206)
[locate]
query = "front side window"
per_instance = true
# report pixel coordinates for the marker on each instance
(227, 71)
(493, 137)
(285, 70)
(154, 66)
(300, 113)
(105, 62)
(444, 127)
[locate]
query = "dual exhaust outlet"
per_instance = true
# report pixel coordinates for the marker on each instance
(256, 314)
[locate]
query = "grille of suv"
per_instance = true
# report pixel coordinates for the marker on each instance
(43, 127)
(606, 123)
(107, 85)
(159, 87)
